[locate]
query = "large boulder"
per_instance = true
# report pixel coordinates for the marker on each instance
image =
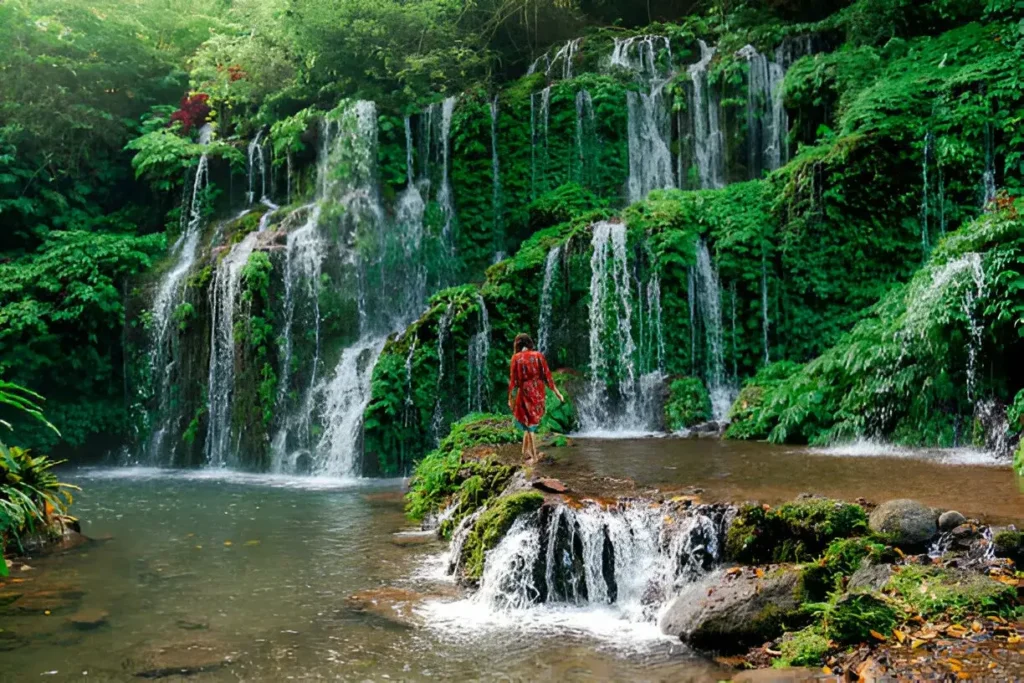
(905, 522)
(732, 609)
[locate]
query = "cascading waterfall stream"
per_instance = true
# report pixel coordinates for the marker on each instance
(585, 131)
(169, 296)
(478, 352)
(649, 122)
(546, 296)
(443, 332)
(496, 199)
(709, 304)
(223, 304)
(445, 197)
(767, 122)
(924, 192)
(988, 179)
(618, 400)
(257, 164)
(620, 564)
(708, 140)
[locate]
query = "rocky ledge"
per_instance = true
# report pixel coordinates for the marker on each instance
(840, 590)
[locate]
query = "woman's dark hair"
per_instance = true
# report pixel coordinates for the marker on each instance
(523, 341)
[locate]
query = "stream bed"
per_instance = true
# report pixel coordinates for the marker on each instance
(233, 577)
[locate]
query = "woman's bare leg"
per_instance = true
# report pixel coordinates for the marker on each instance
(526, 441)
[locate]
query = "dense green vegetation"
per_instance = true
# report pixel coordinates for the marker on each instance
(903, 116)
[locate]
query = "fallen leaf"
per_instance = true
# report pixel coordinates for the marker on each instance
(759, 572)
(963, 675)
(900, 635)
(733, 571)
(827, 671)
(252, 543)
(976, 626)
(227, 543)
(915, 643)
(1014, 639)
(879, 636)
(900, 553)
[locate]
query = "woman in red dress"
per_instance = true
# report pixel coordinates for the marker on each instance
(528, 377)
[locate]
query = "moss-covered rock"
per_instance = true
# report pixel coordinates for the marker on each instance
(840, 561)
(934, 591)
(806, 647)
(458, 471)
(1009, 543)
(688, 404)
(850, 618)
(492, 526)
(794, 532)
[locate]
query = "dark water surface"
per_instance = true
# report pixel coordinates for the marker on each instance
(200, 567)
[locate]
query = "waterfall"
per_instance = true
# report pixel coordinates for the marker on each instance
(565, 55)
(708, 140)
(539, 121)
(988, 180)
(408, 233)
(408, 152)
(347, 394)
(585, 130)
(496, 201)
(924, 192)
(630, 406)
(168, 297)
(628, 561)
(257, 162)
(709, 304)
(691, 299)
(479, 387)
(444, 193)
(220, 387)
(443, 331)
(546, 293)
(767, 122)
(765, 321)
(649, 122)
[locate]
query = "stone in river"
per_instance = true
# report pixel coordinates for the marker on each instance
(185, 658)
(905, 522)
(733, 609)
(550, 485)
(407, 538)
(393, 605)
(950, 520)
(87, 619)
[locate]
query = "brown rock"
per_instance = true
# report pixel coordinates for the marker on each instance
(87, 619)
(550, 485)
(185, 658)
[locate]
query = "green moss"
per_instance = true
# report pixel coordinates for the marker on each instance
(794, 532)
(806, 647)
(1010, 543)
(688, 404)
(445, 474)
(850, 618)
(933, 591)
(840, 560)
(492, 526)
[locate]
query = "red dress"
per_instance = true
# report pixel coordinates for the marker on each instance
(529, 374)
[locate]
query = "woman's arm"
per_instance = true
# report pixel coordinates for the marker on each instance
(511, 381)
(548, 379)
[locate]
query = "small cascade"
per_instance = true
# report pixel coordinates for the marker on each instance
(496, 199)
(618, 399)
(408, 232)
(257, 164)
(444, 329)
(765, 321)
(223, 303)
(709, 305)
(445, 196)
(168, 297)
(346, 396)
(708, 140)
(988, 180)
(410, 404)
(924, 192)
(652, 334)
(649, 120)
(540, 115)
(767, 121)
(691, 299)
(478, 353)
(565, 57)
(546, 300)
(631, 559)
(586, 130)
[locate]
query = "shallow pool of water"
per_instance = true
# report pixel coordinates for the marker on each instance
(972, 482)
(197, 568)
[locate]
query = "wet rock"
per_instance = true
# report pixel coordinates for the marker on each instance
(52, 600)
(412, 538)
(550, 486)
(1009, 543)
(190, 625)
(950, 520)
(906, 522)
(186, 658)
(394, 605)
(774, 675)
(88, 619)
(870, 577)
(732, 609)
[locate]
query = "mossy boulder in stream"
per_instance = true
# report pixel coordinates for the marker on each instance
(794, 532)
(492, 526)
(905, 522)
